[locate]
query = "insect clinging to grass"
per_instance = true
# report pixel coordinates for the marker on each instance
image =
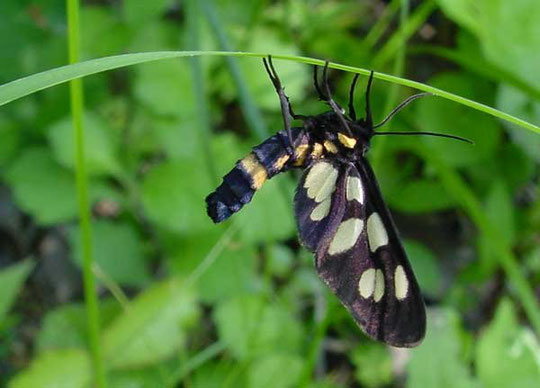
(339, 209)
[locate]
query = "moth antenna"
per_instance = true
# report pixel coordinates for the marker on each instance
(427, 134)
(400, 107)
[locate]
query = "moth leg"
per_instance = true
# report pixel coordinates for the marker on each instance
(327, 96)
(286, 108)
(352, 111)
(322, 97)
(369, 117)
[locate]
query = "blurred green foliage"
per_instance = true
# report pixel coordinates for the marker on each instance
(188, 303)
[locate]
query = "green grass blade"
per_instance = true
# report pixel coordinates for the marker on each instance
(90, 292)
(195, 362)
(376, 32)
(31, 84)
(478, 66)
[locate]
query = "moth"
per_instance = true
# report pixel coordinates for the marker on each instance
(339, 209)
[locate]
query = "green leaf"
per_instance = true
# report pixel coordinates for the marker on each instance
(373, 364)
(465, 12)
(437, 362)
(61, 368)
(250, 326)
(173, 196)
(268, 372)
(436, 115)
(176, 136)
(165, 88)
(66, 327)
(506, 27)
(150, 377)
(269, 216)
(41, 187)
(516, 167)
(502, 27)
(138, 12)
(117, 249)
(31, 84)
(426, 267)
(499, 209)
(511, 164)
(100, 148)
(280, 259)
(508, 355)
(11, 280)
(63, 328)
(515, 101)
(218, 375)
(295, 75)
(9, 145)
(403, 187)
(420, 196)
(152, 328)
(102, 31)
(232, 274)
(237, 323)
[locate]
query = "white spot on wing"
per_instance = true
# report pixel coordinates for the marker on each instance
(377, 235)
(321, 181)
(366, 285)
(401, 282)
(346, 235)
(321, 210)
(379, 286)
(354, 189)
(371, 284)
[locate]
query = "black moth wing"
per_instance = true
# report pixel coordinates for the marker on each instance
(318, 199)
(360, 257)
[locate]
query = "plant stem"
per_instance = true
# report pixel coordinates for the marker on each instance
(479, 66)
(90, 293)
(195, 362)
(24, 86)
(377, 30)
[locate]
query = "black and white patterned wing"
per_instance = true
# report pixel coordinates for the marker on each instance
(360, 257)
(318, 201)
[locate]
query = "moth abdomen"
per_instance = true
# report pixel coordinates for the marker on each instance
(266, 160)
(233, 193)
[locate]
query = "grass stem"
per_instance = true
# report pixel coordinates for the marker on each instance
(90, 293)
(377, 30)
(27, 85)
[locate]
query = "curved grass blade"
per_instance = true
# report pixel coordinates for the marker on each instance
(33, 83)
